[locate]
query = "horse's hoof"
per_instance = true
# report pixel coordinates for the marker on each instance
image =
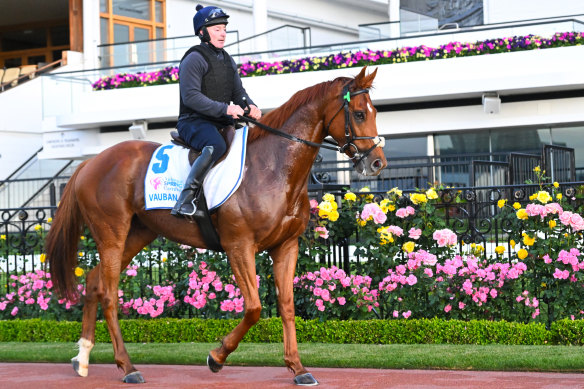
(134, 378)
(305, 379)
(213, 366)
(79, 369)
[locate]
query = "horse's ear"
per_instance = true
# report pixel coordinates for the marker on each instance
(363, 81)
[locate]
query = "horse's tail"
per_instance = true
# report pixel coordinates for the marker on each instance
(62, 242)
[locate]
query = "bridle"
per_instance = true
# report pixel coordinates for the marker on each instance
(350, 137)
(349, 130)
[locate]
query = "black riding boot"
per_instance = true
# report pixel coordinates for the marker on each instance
(186, 203)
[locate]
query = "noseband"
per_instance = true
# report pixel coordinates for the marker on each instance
(350, 137)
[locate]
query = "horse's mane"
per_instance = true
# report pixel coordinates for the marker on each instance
(280, 115)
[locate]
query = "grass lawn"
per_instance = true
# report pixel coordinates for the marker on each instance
(395, 356)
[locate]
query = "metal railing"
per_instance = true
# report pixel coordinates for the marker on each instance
(172, 49)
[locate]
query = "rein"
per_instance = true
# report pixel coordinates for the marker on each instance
(349, 130)
(288, 136)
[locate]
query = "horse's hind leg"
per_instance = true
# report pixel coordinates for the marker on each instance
(92, 294)
(138, 237)
(242, 262)
(284, 258)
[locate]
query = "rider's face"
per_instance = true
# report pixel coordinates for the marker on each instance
(218, 33)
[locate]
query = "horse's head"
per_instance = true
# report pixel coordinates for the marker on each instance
(351, 122)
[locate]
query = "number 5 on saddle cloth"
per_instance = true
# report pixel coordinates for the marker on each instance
(170, 165)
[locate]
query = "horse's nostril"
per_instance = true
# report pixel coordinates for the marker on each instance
(376, 165)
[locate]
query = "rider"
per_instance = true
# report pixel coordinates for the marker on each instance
(211, 97)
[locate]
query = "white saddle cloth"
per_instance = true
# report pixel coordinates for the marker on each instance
(169, 168)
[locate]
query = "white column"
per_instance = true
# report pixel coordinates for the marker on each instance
(91, 33)
(260, 24)
(394, 18)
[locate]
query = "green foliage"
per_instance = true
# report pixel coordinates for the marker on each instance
(412, 331)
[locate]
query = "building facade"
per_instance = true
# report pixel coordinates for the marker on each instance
(481, 107)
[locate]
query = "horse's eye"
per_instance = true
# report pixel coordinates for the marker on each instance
(359, 116)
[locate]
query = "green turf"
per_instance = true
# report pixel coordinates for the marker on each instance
(397, 356)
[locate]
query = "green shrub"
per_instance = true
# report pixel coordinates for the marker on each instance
(411, 331)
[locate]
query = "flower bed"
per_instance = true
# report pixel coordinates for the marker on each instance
(411, 265)
(169, 75)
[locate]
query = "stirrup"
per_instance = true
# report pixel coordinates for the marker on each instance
(183, 212)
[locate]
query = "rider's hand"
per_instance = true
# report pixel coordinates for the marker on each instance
(235, 111)
(255, 112)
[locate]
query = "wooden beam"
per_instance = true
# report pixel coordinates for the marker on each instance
(76, 25)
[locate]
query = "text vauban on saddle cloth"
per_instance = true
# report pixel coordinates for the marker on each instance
(169, 168)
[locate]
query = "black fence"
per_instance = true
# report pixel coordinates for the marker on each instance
(456, 170)
(469, 212)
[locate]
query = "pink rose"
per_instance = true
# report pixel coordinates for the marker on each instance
(415, 233)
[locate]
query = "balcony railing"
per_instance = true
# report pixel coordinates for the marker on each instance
(172, 49)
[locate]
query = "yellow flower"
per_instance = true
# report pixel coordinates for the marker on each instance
(536, 169)
(431, 194)
(522, 254)
(82, 237)
(559, 196)
(408, 246)
(38, 227)
(552, 223)
(328, 197)
(385, 236)
(164, 259)
(528, 240)
(2, 237)
(81, 253)
(478, 248)
(522, 214)
(79, 271)
(361, 222)
(324, 208)
(349, 196)
(501, 203)
(544, 197)
(395, 190)
(533, 197)
(556, 185)
(418, 198)
(366, 189)
(386, 206)
(512, 243)
(333, 216)
(516, 205)
(500, 249)
(50, 220)
(43, 258)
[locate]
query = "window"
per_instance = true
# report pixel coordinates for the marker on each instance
(26, 45)
(125, 21)
(572, 137)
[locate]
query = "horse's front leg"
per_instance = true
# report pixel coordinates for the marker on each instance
(242, 262)
(284, 258)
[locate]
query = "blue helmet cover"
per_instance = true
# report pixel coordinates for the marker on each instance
(208, 16)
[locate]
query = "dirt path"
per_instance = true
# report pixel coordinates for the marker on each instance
(62, 376)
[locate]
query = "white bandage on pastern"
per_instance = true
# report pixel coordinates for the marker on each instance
(82, 358)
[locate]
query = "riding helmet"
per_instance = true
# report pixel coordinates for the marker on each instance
(208, 16)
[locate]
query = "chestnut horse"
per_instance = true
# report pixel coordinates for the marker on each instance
(268, 212)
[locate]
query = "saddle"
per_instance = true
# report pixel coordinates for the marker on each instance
(202, 216)
(227, 133)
